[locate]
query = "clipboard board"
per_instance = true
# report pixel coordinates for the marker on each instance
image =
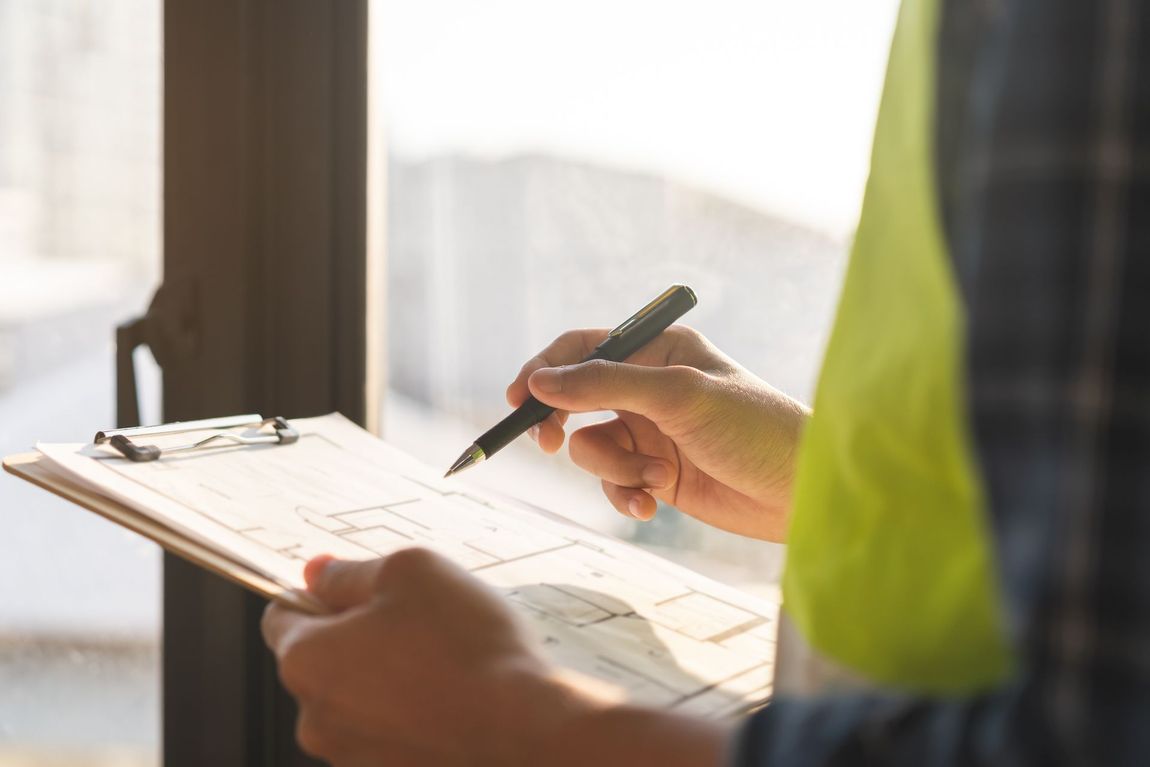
(35, 468)
(254, 511)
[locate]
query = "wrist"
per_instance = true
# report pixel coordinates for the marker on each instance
(534, 703)
(586, 725)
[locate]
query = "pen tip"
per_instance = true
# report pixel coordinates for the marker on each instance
(469, 458)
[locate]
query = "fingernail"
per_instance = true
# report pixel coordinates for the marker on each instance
(316, 567)
(548, 380)
(634, 507)
(655, 475)
(534, 432)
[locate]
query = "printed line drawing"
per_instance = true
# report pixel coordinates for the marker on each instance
(599, 606)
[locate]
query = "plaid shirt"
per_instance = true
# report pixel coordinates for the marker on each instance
(1043, 149)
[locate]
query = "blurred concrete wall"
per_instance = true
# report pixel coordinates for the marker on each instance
(79, 175)
(79, 130)
(489, 260)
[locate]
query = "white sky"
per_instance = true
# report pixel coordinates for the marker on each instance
(769, 102)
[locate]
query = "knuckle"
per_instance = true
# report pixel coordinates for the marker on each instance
(342, 578)
(406, 564)
(562, 349)
(531, 365)
(693, 347)
(685, 382)
(577, 442)
(566, 338)
(580, 446)
(685, 388)
(599, 373)
(685, 334)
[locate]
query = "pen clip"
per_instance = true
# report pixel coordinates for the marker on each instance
(634, 318)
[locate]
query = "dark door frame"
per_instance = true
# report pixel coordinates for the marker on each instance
(263, 306)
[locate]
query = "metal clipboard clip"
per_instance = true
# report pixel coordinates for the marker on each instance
(273, 431)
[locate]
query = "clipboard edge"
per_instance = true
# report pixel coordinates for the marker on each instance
(30, 468)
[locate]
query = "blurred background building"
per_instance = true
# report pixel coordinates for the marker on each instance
(563, 162)
(79, 246)
(79, 187)
(557, 244)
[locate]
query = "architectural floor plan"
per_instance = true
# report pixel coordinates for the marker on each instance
(661, 633)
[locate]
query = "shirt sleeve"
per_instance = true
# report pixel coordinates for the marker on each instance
(1000, 727)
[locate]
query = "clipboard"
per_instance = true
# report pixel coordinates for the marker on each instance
(35, 468)
(254, 512)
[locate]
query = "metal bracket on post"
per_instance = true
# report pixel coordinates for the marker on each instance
(128, 336)
(167, 328)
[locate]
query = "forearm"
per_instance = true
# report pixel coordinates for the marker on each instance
(630, 735)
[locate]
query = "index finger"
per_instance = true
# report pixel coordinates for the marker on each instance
(569, 348)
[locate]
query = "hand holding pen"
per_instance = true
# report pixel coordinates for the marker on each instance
(619, 344)
(692, 428)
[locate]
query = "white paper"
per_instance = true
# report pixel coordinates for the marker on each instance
(663, 634)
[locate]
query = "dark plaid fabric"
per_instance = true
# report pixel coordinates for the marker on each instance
(1043, 149)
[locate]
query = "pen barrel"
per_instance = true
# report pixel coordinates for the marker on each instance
(621, 343)
(642, 328)
(521, 419)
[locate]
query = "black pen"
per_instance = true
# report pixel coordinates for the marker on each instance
(636, 332)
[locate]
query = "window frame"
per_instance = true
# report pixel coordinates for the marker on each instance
(264, 305)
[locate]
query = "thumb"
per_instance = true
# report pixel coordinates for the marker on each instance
(654, 392)
(341, 585)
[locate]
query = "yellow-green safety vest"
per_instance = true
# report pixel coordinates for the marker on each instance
(889, 569)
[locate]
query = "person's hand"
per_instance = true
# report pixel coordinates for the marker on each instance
(693, 428)
(421, 664)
